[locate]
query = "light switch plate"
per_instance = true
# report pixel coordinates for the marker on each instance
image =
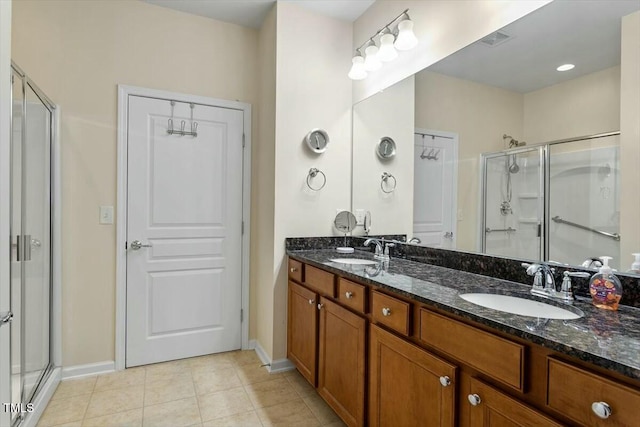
(106, 214)
(359, 216)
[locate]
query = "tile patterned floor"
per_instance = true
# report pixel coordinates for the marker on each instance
(226, 389)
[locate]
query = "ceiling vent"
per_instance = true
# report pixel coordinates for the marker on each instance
(495, 39)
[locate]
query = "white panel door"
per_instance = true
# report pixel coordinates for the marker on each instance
(184, 203)
(434, 187)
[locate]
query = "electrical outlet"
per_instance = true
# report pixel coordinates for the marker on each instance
(106, 214)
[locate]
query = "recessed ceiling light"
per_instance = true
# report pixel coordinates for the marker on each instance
(566, 67)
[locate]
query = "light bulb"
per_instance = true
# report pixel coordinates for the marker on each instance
(357, 71)
(371, 61)
(406, 39)
(387, 52)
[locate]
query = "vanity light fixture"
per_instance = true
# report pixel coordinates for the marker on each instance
(371, 60)
(566, 67)
(406, 40)
(387, 51)
(357, 71)
(397, 34)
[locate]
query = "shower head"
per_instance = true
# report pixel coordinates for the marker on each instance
(511, 142)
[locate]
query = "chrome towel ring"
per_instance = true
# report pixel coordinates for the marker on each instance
(385, 180)
(313, 172)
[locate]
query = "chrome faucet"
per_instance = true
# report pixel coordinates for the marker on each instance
(415, 240)
(543, 282)
(545, 285)
(378, 251)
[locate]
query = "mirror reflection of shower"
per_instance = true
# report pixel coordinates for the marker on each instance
(511, 167)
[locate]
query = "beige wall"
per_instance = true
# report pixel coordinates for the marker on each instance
(263, 167)
(480, 115)
(77, 52)
(441, 26)
(388, 113)
(630, 137)
(313, 91)
(586, 105)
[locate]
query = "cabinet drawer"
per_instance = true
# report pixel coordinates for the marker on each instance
(295, 270)
(572, 392)
(320, 281)
(391, 312)
(497, 357)
(352, 295)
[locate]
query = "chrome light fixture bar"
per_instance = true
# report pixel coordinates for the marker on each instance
(396, 35)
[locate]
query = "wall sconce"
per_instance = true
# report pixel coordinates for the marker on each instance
(396, 35)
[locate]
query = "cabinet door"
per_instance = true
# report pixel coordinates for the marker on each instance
(490, 407)
(302, 330)
(341, 371)
(407, 385)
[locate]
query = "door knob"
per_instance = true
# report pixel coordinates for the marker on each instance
(137, 244)
(6, 317)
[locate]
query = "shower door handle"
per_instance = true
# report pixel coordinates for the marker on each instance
(6, 317)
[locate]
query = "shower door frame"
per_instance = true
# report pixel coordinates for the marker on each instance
(52, 374)
(545, 162)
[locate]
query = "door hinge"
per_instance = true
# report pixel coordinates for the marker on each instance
(242, 228)
(243, 140)
(126, 246)
(241, 315)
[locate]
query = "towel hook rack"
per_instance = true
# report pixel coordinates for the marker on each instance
(385, 180)
(182, 132)
(313, 172)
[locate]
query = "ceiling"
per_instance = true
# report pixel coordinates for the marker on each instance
(584, 33)
(251, 13)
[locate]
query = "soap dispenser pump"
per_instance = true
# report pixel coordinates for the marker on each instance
(635, 267)
(605, 287)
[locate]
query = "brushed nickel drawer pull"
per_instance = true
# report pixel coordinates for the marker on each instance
(311, 302)
(348, 295)
(320, 306)
(386, 311)
(293, 269)
(445, 381)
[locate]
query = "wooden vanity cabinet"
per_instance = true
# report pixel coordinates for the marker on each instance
(408, 385)
(341, 361)
(382, 359)
(302, 319)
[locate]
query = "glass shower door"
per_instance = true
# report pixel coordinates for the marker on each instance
(36, 217)
(30, 243)
(584, 200)
(513, 203)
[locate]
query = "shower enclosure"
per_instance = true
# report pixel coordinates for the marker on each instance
(555, 201)
(32, 132)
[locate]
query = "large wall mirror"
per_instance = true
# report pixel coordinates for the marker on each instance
(497, 151)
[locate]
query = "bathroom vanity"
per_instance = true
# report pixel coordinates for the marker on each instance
(392, 343)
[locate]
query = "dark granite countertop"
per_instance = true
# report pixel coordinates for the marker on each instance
(609, 339)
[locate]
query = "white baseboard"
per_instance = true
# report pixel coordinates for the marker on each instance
(42, 399)
(273, 366)
(78, 371)
(251, 346)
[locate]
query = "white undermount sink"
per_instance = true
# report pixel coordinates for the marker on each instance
(353, 261)
(521, 306)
